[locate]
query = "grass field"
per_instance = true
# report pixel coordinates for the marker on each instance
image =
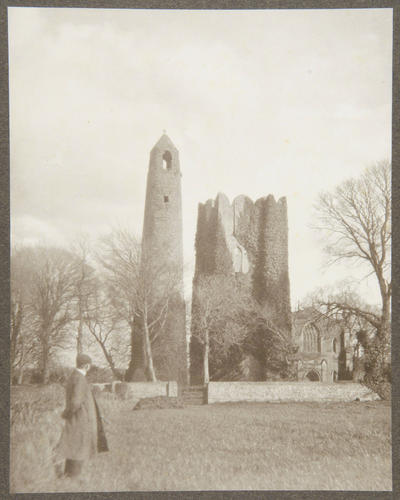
(244, 446)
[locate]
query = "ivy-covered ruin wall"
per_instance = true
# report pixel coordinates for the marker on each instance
(249, 240)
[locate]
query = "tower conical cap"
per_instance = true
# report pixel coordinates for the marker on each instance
(164, 142)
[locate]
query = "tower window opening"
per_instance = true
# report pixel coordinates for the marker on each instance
(166, 199)
(167, 159)
(311, 339)
(237, 260)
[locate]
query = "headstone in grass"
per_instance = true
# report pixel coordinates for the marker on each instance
(158, 403)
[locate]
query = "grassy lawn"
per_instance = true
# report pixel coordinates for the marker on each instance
(244, 446)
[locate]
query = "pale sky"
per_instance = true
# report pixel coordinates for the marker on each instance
(288, 102)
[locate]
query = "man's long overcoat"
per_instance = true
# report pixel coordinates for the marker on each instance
(83, 434)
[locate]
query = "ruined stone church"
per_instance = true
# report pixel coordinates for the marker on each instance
(249, 240)
(246, 239)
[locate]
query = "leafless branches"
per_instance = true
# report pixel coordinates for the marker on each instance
(356, 218)
(139, 291)
(102, 322)
(42, 290)
(217, 315)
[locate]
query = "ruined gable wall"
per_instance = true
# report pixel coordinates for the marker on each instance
(212, 257)
(214, 221)
(260, 230)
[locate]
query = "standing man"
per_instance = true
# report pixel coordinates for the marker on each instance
(83, 434)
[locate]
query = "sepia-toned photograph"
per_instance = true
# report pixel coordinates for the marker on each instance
(200, 270)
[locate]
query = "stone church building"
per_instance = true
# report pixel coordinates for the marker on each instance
(245, 239)
(250, 241)
(324, 353)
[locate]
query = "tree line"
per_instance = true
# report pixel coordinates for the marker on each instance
(108, 293)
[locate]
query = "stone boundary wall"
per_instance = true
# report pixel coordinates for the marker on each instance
(138, 390)
(222, 392)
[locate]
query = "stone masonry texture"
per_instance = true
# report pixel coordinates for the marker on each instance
(249, 240)
(223, 392)
(163, 248)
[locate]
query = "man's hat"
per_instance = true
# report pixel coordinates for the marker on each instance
(83, 359)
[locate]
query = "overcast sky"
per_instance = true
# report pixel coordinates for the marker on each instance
(257, 102)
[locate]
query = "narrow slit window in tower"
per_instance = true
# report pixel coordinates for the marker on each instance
(167, 158)
(166, 199)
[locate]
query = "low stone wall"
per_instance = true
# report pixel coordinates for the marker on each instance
(138, 390)
(221, 392)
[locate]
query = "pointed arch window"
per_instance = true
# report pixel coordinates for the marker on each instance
(311, 338)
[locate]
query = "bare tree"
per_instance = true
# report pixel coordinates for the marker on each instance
(342, 304)
(119, 256)
(52, 293)
(156, 290)
(140, 293)
(84, 285)
(22, 340)
(356, 218)
(217, 316)
(42, 294)
(102, 322)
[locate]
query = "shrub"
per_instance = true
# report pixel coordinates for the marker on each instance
(36, 427)
(60, 374)
(99, 375)
(377, 365)
(32, 376)
(29, 403)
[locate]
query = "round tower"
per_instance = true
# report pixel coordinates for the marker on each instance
(162, 261)
(162, 227)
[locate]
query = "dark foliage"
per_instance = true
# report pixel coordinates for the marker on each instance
(377, 366)
(266, 345)
(60, 374)
(273, 350)
(100, 375)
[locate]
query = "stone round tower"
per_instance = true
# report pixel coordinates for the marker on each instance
(162, 227)
(162, 252)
